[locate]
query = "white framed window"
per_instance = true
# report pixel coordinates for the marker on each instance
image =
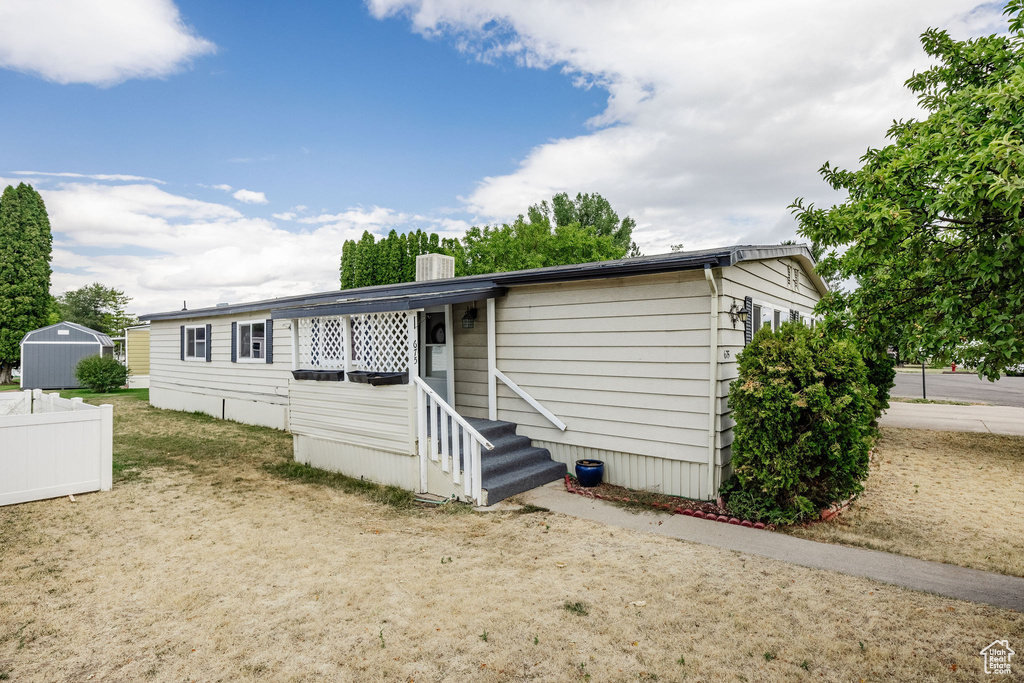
(768, 315)
(195, 342)
(765, 316)
(252, 337)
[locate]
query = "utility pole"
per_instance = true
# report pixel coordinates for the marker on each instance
(924, 392)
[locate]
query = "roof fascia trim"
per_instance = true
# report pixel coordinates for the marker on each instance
(401, 303)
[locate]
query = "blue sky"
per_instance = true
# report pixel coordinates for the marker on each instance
(323, 103)
(223, 151)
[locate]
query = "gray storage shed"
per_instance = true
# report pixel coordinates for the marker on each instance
(50, 354)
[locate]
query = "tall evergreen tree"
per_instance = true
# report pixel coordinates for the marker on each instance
(364, 264)
(25, 252)
(348, 254)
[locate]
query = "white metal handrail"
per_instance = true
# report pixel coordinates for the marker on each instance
(529, 399)
(441, 431)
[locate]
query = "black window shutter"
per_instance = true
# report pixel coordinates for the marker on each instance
(183, 342)
(748, 324)
(794, 315)
(268, 340)
(209, 344)
(234, 342)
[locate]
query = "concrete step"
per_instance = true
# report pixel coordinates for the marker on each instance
(530, 477)
(494, 465)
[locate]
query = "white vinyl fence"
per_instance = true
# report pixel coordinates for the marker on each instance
(52, 446)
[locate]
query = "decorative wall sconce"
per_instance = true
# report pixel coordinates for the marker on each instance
(469, 319)
(737, 314)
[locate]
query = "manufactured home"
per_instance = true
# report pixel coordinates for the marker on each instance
(136, 355)
(485, 386)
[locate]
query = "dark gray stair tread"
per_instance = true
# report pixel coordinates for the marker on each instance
(506, 443)
(514, 464)
(511, 483)
(493, 465)
(492, 429)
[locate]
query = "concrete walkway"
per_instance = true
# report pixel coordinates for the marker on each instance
(933, 577)
(994, 419)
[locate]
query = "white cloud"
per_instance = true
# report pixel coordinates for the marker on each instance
(359, 216)
(225, 188)
(102, 42)
(718, 114)
(92, 176)
(286, 216)
(168, 248)
(250, 197)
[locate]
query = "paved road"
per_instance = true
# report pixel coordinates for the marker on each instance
(944, 418)
(1007, 391)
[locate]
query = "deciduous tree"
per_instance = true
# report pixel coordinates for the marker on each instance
(98, 307)
(563, 232)
(932, 231)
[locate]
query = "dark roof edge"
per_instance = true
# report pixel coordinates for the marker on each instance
(643, 265)
(97, 335)
(396, 303)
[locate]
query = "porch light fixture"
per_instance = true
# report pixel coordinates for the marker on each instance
(468, 320)
(737, 314)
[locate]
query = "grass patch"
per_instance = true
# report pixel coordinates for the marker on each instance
(10, 387)
(578, 608)
(952, 497)
(97, 398)
(392, 496)
(898, 399)
(529, 509)
(146, 437)
(259, 576)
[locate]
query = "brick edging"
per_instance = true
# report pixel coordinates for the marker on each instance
(678, 510)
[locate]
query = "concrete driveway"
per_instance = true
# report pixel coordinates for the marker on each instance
(1006, 391)
(993, 419)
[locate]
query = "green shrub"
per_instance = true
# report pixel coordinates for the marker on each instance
(882, 377)
(804, 409)
(101, 373)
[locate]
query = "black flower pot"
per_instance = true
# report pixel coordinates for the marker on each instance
(382, 379)
(319, 375)
(589, 472)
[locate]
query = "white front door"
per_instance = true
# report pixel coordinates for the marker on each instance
(435, 351)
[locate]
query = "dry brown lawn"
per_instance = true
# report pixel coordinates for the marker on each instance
(953, 497)
(219, 570)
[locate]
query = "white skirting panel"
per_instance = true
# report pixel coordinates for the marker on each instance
(247, 412)
(383, 467)
(640, 472)
(138, 381)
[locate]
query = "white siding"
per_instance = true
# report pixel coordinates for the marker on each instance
(383, 467)
(470, 352)
(672, 477)
(253, 393)
(379, 418)
(622, 361)
(764, 281)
